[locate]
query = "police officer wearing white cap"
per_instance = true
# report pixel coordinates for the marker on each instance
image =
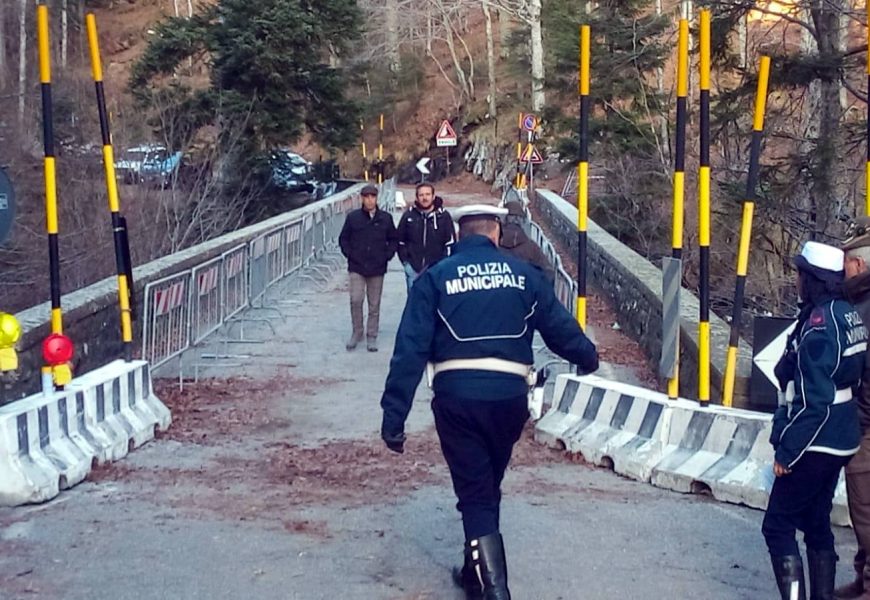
(816, 433)
(473, 316)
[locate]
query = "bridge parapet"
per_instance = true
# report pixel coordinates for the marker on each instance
(91, 313)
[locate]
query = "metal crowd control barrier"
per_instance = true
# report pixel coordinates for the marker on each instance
(258, 279)
(207, 305)
(234, 264)
(387, 195)
(293, 251)
(166, 330)
(564, 285)
(274, 257)
(182, 310)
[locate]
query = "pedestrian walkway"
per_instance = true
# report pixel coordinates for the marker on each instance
(273, 484)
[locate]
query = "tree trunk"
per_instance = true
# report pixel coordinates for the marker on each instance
(3, 72)
(392, 22)
(64, 32)
(504, 33)
(823, 115)
(537, 55)
(22, 58)
(490, 61)
(457, 66)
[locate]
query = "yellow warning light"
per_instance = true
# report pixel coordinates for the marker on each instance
(10, 330)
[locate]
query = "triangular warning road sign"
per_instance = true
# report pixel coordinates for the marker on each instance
(445, 131)
(531, 155)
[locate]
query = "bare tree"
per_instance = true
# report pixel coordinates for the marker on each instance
(64, 32)
(529, 12)
(2, 49)
(22, 58)
(490, 61)
(392, 23)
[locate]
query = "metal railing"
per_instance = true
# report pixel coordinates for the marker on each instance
(181, 310)
(564, 285)
(166, 329)
(206, 306)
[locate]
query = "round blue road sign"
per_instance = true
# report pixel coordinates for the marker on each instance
(7, 206)
(530, 122)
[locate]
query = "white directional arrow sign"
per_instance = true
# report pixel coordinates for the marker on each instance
(421, 165)
(768, 356)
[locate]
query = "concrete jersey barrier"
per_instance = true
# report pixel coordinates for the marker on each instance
(673, 444)
(50, 442)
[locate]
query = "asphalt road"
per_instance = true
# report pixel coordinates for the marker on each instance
(272, 483)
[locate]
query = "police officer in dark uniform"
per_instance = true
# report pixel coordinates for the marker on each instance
(472, 316)
(817, 432)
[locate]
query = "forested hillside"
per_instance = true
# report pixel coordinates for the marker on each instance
(227, 83)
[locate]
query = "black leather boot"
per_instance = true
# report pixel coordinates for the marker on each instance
(822, 566)
(855, 588)
(789, 573)
(466, 578)
(487, 555)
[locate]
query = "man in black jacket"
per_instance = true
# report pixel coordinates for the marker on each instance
(368, 241)
(424, 234)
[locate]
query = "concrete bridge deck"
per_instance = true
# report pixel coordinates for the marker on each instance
(273, 483)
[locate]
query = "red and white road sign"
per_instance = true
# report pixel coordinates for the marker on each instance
(531, 155)
(446, 136)
(530, 122)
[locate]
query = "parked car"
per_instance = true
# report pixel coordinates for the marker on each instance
(129, 167)
(160, 168)
(149, 163)
(291, 173)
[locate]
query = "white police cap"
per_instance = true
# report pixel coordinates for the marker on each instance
(482, 211)
(821, 256)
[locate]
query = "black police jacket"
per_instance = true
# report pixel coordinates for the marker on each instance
(478, 303)
(823, 416)
(424, 238)
(368, 242)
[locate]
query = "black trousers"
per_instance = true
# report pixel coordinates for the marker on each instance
(477, 439)
(802, 500)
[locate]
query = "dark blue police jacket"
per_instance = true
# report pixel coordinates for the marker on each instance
(830, 360)
(478, 303)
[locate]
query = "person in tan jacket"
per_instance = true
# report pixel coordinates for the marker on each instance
(857, 286)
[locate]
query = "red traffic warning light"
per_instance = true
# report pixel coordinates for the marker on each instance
(57, 349)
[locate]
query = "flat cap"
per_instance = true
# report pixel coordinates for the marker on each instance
(478, 211)
(858, 235)
(369, 190)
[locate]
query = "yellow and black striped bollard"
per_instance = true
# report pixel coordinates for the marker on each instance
(61, 374)
(118, 229)
(746, 231)
(679, 177)
(583, 174)
(704, 214)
